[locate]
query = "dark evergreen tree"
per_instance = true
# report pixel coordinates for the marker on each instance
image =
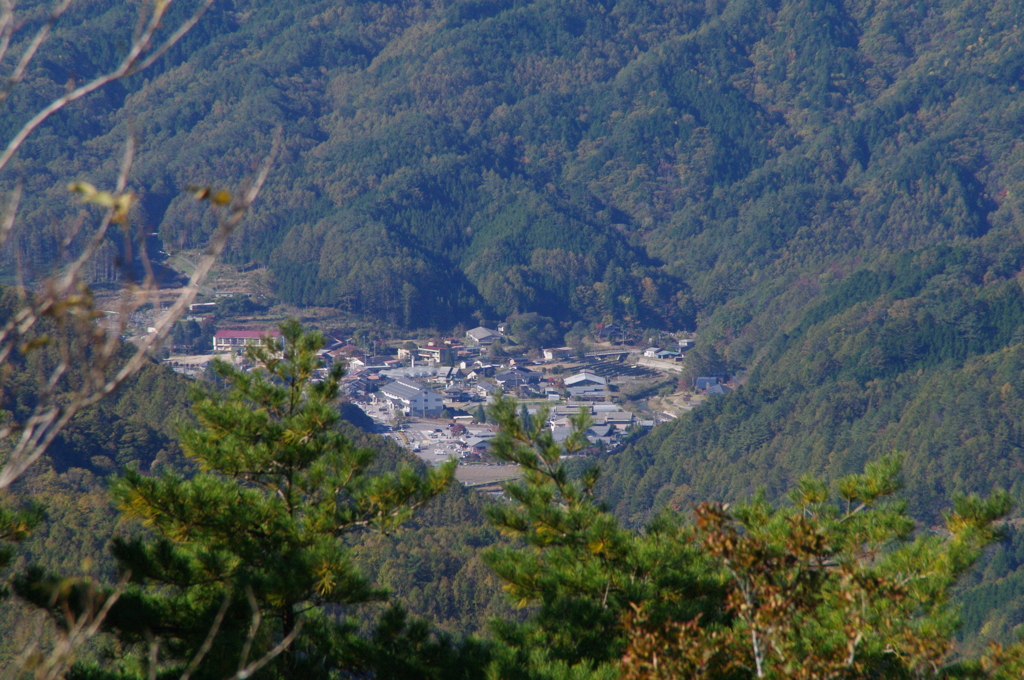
(580, 569)
(15, 526)
(825, 587)
(252, 551)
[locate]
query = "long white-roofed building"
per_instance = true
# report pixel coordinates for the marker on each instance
(225, 341)
(585, 378)
(413, 398)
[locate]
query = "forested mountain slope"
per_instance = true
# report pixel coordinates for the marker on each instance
(643, 159)
(920, 356)
(833, 190)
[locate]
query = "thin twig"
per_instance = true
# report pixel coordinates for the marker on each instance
(30, 52)
(47, 422)
(254, 626)
(10, 212)
(154, 651)
(6, 27)
(208, 642)
(82, 629)
(269, 656)
(133, 62)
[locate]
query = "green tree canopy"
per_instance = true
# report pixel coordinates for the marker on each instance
(253, 548)
(830, 585)
(580, 568)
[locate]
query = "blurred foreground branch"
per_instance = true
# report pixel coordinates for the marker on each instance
(82, 345)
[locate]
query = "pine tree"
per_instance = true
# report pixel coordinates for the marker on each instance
(252, 548)
(580, 569)
(826, 588)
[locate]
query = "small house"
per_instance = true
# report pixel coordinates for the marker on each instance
(704, 382)
(482, 336)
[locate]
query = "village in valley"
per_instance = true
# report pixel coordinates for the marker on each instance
(431, 396)
(430, 393)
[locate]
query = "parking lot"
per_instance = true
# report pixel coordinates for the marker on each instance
(433, 442)
(432, 447)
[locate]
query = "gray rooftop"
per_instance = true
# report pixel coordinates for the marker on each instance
(403, 389)
(481, 332)
(585, 376)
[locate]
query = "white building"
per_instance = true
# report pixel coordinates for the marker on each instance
(225, 341)
(585, 378)
(414, 399)
(557, 353)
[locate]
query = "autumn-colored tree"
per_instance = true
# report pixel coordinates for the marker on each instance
(831, 585)
(823, 587)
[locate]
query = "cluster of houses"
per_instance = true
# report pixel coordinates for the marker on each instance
(451, 372)
(426, 381)
(457, 374)
(609, 424)
(426, 392)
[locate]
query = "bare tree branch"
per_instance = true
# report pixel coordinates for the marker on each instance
(50, 417)
(255, 666)
(138, 58)
(84, 349)
(64, 299)
(154, 654)
(254, 627)
(79, 629)
(208, 642)
(30, 52)
(10, 212)
(6, 26)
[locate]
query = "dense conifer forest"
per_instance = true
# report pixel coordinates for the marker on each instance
(829, 192)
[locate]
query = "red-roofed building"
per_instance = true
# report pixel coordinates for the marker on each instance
(225, 341)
